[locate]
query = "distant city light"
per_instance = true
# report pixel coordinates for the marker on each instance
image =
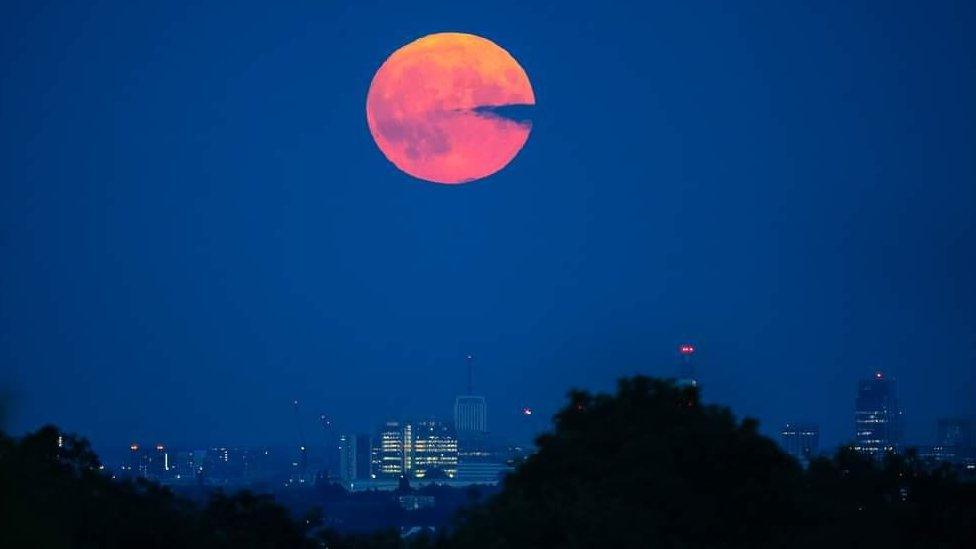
(134, 447)
(879, 375)
(526, 411)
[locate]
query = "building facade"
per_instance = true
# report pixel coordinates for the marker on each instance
(423, 449)
(877, 416)
(355, 457)
(388, 454)
(470, 415)
(435, 450)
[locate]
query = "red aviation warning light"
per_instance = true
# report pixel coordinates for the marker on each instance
(687, 349)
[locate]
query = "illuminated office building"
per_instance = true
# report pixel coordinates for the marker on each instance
(435, 450)
(388, 454)
(424, 449)
(877, 417)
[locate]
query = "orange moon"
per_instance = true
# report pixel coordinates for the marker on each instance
(432, 108)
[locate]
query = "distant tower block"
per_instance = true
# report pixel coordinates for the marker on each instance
(470, 410)
(687, 376)
(877, 416)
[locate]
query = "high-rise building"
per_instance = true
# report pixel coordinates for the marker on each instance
(424, 449)
(388, 455)
(687, 376)
(470, 410)
(347, 458)
(801, 440)
(877, 417)
(435, 450)
(354, 457)
(470, 415)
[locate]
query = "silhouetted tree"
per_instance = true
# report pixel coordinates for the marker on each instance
(54, 494)
(650, 466)
(653, 467)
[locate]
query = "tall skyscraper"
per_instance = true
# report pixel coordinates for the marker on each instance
(877, 417)
(801, 440)
(470, 410)
(388, 455)
(687, 376)
(470, 413)
(435, 450)
(354, 457)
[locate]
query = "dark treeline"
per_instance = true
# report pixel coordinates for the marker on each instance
(647, 467)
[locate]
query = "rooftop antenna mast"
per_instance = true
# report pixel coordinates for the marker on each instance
(470, 361)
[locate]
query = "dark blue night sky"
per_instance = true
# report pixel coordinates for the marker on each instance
(197, 227)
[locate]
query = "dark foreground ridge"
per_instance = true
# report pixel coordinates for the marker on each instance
(650, 466)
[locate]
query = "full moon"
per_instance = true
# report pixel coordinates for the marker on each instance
(435, 108)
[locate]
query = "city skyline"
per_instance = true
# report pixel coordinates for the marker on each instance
(685, 371)
(458, 453)
(488, 274)
(198, 231)
(876, 428)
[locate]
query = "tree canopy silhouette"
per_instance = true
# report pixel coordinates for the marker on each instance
(53, 494)
(651, 466)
